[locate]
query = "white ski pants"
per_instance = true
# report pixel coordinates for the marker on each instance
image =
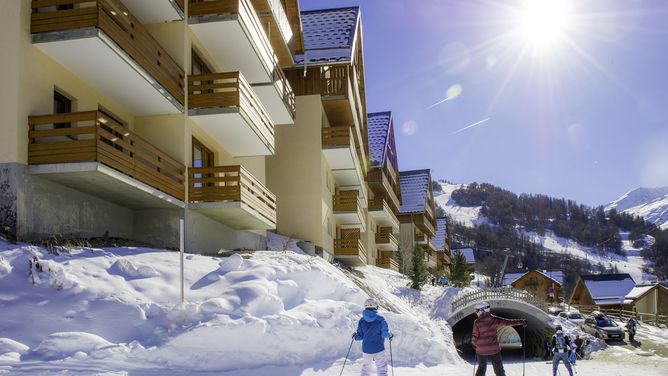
(379, 359)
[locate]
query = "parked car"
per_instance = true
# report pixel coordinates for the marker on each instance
(573, 316)
(555, 310)
(601, 326)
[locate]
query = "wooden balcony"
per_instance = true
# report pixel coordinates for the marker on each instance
(386, 241)
(232, 33)
(420, 220)
(429, 247)
(225, 106)
(383, 214)
(350, 251)
(383, 186)
(348, 210)
(420, 238)
(388, 263)
(339, 148)
(341, 98)
(93, 153)
(154, 11)
(233, 196)
(102, 43)
(277, 26)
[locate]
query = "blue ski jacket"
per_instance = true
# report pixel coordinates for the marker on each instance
(372, 331)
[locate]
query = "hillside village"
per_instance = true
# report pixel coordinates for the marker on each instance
(137, 208)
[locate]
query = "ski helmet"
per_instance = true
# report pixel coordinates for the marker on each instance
(371, 303)
(482, 307)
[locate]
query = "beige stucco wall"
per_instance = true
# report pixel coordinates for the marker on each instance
(369, 239)
(406, 243)
(295, 175)
(648, 303)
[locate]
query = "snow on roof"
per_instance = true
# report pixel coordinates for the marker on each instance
(468, 254)
(328, 35)
(555, 275)
(638, 291)
(608, 289)
(414, 186)
(439, 239)
(378, 130)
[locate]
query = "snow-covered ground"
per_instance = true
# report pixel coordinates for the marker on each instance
(469, 216)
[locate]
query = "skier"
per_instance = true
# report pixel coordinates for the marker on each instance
(433, 280)
(372, 331)
(632, 326)
(579, 343)
(441, 280)
(561, 349)
(485, 341)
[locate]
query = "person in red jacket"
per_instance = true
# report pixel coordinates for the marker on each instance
(485, 340)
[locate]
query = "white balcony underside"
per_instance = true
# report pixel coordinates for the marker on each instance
(233, 131)
(354, 260)
(273, 103)
(391, 246)
(385, 218)
(106, 183)
(234, 214)
(154, 11)
(350, 220)
(227, 42)
(98, 61)
(340, 158)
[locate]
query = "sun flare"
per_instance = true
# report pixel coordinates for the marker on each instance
(543, 23)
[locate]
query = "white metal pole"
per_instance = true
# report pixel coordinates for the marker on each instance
(181, 250)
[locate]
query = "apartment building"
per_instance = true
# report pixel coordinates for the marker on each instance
(120, 117)
(320, 164)
(384, 192)
(442, 244)
(417, 217)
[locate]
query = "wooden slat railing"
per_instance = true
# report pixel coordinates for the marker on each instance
(346, 201)
(248, 18)
(116, 21)
(231, 183)
(95, 136)
(388, 263)
(333, 137)
(385, 236)
(287, 94)
(377, 177)
(230, 89)
(325, 81)
(349, 247)
(505, 293)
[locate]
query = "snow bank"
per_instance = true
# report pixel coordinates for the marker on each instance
(62, 345)
(5, 267)
(125, 268)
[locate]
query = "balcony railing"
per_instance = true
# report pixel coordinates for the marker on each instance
(385, 237)
(419, 237)
(231, 183)
(349, 247)
(388, 263)
(116, 21)
(230, 90)
(376, 176)
(95, 136)
(333, 137)
(287, 94)
(279, 15)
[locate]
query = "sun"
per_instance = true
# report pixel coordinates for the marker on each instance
(543, 23)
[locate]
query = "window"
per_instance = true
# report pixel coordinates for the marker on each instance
(202, 157)
(197, 64)
(61, 105)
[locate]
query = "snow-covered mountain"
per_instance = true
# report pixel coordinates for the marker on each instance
(649, 203)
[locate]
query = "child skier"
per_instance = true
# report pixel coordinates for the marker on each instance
(372, 331)
(561, 348)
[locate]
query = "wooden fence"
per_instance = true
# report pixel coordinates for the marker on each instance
(623, 314)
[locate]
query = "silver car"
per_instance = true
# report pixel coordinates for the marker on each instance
(600, 326)
(574, 317)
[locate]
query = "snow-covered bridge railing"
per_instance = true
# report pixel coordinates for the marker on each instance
(506, 293)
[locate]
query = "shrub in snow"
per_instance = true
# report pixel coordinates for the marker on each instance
(66, 344)
(128, 270)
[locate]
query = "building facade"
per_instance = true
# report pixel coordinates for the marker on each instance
(442, 243)
(121, 117)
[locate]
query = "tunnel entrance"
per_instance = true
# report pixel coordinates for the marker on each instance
(532, 337)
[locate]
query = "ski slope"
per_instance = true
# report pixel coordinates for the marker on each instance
(469, 216)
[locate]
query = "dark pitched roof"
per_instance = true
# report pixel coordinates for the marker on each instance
(439, 239)
(328, 35)
(414, 190)
(378, 130)
(606, 277)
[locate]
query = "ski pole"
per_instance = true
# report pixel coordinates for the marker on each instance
(475, 362)
(348, 353)
(524, 339)
(391, 359)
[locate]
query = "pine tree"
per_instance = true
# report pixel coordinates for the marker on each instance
(419, 275)
(460, 273)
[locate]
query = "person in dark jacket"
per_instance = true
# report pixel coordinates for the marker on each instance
(561, 348)
(485, 340)
(579, 343)
(372, 330)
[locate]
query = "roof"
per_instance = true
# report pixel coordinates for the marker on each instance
(414, 190)
(468, 254)
(378, 130)
(555, 275)
(328, 35)
(439, 240)
(606, 289)
(638, 291)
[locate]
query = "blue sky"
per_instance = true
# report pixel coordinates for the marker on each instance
(584, 116)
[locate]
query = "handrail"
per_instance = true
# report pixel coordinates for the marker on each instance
(385, 238)
(349, 247)
(231, 183)
(506, 293)
(337, 137)
(116, 21)
(63, 138)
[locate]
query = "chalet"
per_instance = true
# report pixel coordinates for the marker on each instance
(544, 284)
(468, 254)
(604, 290)
(652, 299)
